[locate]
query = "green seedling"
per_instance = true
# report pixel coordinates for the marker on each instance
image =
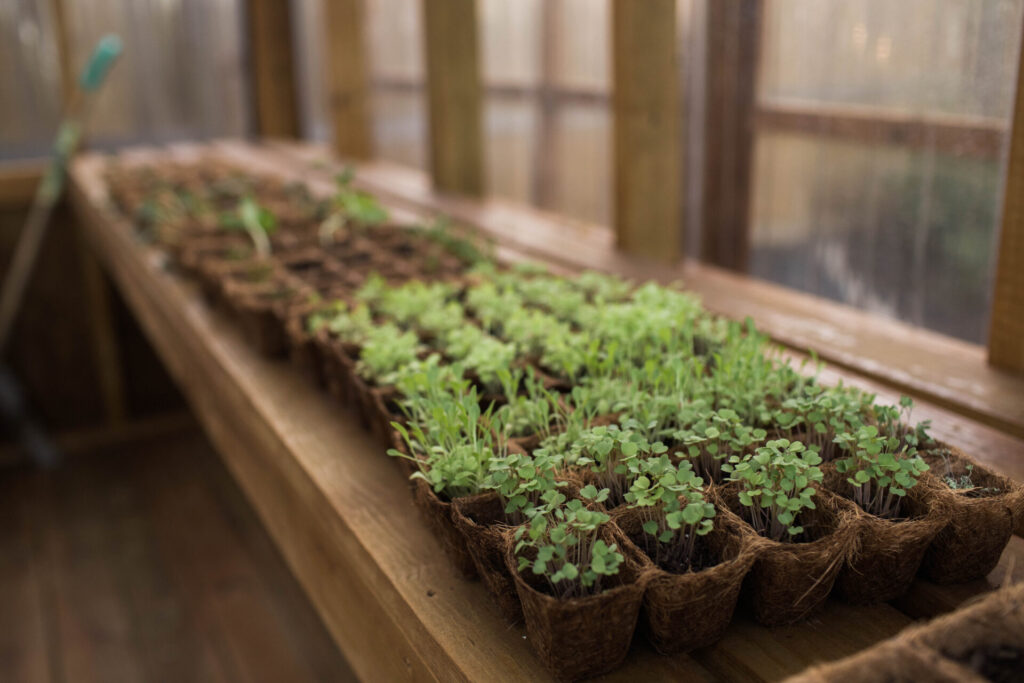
(880, 469)
(675, 513)
(775, 486)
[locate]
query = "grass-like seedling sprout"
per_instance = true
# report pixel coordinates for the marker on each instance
(452, 444)
(568, 550)
(880, 470)
(258, 223)
(675, 513)
(530, 409)
(775, 486)
(349, 206)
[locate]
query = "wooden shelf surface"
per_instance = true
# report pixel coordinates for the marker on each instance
(341, 514)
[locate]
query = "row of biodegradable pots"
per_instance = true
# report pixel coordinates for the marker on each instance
(983, 641)
(866, 559)
(681, 612)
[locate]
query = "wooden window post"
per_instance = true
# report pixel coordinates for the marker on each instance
(454, 95)
(271, 68)
(1006, 330)
(734, 44)
(347, 78)
(647, 119)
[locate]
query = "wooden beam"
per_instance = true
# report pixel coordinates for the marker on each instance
(271, 68)
(975, 136)
(734, 40)
(348, 96)
(1006, 330)
(648, 168)
(454, 96)
(562, 94)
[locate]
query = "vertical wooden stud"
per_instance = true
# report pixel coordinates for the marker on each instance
(733, 51)
(454, 96)
(271, 67)
(545, 154)
(1006, 329)
(348, 94)
(648, 168)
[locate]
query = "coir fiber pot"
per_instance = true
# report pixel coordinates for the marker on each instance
(981, 520)
(374, 406)
(303, 351)
(338, 367)
(891, 661)
(438, 514)
(261, 310)
(790, 579)
(889, 552)
(986, 638)
(482, 522)
(686, 611)
(582, 637)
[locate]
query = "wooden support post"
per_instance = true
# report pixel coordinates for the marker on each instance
(347, 79)
(454, 95)
(1006, 330)
(271, 68)
(106, 347)
(648, 168)
(545, 155)
(734, 43)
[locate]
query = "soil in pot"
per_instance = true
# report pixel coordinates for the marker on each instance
(889, 552)
(438, 514)
(581, 637)
(690, 607)
(981, 518)
(790, 579)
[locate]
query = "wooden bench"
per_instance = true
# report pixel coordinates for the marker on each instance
(341, 513)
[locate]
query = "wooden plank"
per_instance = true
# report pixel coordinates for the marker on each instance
(24, 655)
(973, 136)
(733, 52)
(18, 182)
(348, 95)
(1006, 330)
(342, 517)
(149, 566)
(580, 93)
(648, 166)
(454, 96)
(947, 372)
(272, 69)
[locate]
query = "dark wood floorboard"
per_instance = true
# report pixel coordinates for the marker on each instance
(146, 563)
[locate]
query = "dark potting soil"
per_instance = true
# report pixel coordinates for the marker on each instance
(997, 663)
(703, 556)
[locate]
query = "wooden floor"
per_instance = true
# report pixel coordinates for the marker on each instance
(146, 563)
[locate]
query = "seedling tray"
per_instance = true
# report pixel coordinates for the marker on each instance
(367, 410)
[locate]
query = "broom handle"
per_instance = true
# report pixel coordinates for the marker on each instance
(51, 186)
